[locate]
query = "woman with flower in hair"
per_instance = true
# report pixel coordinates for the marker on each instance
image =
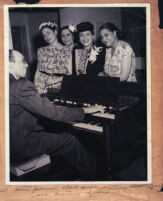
(68, 36)
(87, 58)
(54, 60)
(120, 57)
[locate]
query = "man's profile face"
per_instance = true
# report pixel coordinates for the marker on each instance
(20, 65)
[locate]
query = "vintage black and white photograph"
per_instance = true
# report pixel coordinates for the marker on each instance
(77, 82)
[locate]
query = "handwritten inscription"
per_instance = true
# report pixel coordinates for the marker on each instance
(43, 189)
(77, 190)
(73, 188)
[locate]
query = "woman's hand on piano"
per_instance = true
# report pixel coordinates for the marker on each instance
(94, 109)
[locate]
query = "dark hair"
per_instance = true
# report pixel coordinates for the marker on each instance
(112, 27)
(11, 55)
(67, 27)
(85, 26)
(73, 33)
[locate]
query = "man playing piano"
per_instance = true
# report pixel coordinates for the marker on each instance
(29, 139)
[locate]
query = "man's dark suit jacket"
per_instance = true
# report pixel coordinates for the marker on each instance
(26, 106)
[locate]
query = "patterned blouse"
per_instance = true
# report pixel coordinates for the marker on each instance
(81, 61)
(51, 61)
(112, 65)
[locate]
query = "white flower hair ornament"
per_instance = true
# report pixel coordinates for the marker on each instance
(72, 28)
(93, 54)
(50, 24)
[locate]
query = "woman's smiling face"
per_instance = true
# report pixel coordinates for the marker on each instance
(86, 38)
(49, 35)
(107, 37)
(67, 37)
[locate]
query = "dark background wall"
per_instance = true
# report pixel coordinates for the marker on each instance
(96, 15)
(25, 31)
(134, 27)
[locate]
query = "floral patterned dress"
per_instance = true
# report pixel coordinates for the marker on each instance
(112, 65)
(52, 61)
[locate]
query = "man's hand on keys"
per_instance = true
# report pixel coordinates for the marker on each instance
(93, 109)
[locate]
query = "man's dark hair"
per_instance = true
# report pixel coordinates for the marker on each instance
(11, 56)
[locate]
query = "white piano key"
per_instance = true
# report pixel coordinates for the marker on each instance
(89, 127)
(86, 104)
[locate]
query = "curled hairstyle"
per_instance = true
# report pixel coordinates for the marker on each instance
(67, 27)
(48, 24)
(85, 26)
(112, 27)
(73, 34)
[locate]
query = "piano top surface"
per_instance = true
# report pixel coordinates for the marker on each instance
(98, 89)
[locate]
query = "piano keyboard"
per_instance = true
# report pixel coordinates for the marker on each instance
(89, 126)
(70, 103)
(108, 114)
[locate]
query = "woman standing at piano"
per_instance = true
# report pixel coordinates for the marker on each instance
(87, 57)
(54, 60)
(68, 36)
(120, 57)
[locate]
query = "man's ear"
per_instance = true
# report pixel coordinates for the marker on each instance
(11, 64)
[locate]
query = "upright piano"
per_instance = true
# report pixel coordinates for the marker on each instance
(121, 124)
